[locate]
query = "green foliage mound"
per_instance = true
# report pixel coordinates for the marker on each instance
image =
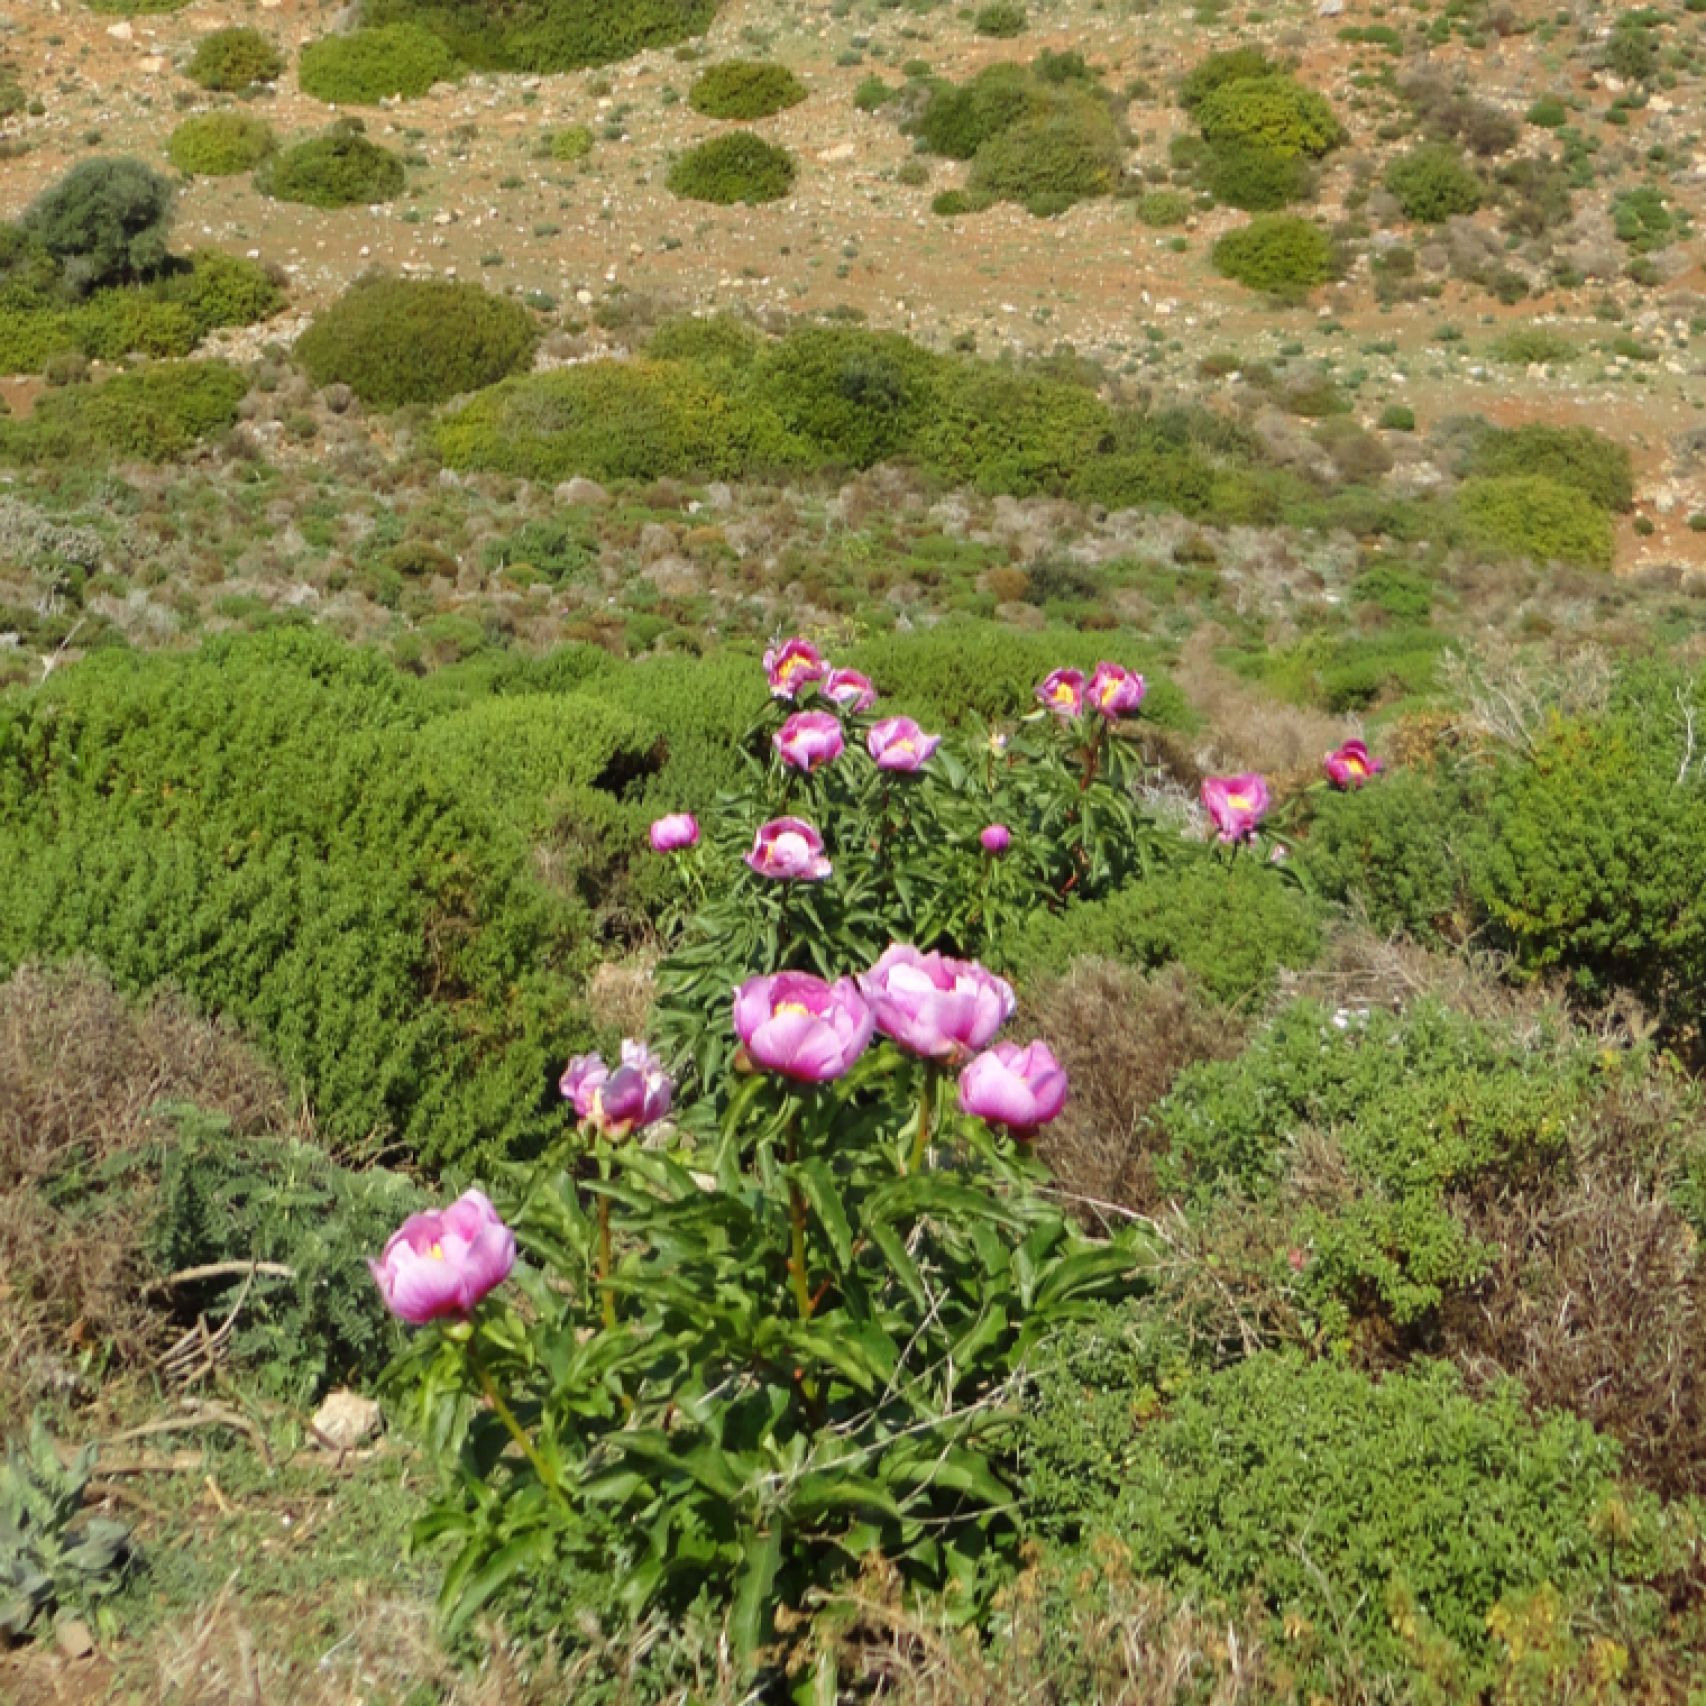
(153, 414)
(1531, 515)
(1433, 183)
(368, 66)
(745, 89)
(1385, 1528)
(220, 144)
(1261, 130)
(229, 61)
(573, 142)
(729, 170)
(339, 169)
(395, 341)
(1277, 253)
(313, 846)
(103, 223)
(1271, 112)
(548, 35)
(1575, 456)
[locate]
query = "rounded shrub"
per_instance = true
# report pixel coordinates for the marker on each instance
(1269, 112)
(1433, 183)
(1574, 456)
(395, 340)
(727, 170)
(745, 89)
(1528, 515)
(1162, 208)
(1001, 19)
(104, 223)
(340, 169)
(217, 145)
(573, 142)
(367, 66)
(1277, 253)
(153, 414)
(234, 59)
(548, 35)
(1066, 151)
(1257, 180)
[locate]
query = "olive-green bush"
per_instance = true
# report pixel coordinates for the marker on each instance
(738, 168)
(220, 144)
(1575, 456)
(1530, 515)
(103, 223)
(1277, 253)
(548, 35)
(1234, 65)
(368, 66)
(395, 340)
(235, 59)
(745, 89)
(150, 415)
(340, 169)
(573, 142)
(1256, 180)
(1271, 112)
(1433, 183)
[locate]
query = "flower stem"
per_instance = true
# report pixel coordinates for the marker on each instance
(506, 1415)
(926, 1108)
(604, 1261)
(797, 1233)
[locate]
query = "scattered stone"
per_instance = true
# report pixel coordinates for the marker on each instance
(346, 1420)
(74, 1638)
(581, 490)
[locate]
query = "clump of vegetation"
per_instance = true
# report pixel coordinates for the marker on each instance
(1433, 183)
(220, 144)
(1279, 254)
(373, 65)
(150, 415)
(103, 223)
(1579, 457)
(573, 142)
(734, 169)
(340, 169)
(745, 89)
(548, 35)
(1271, 112)
(1001, 19)
(232, 60)
(1529, 515)
(395, 341)
(1163, 208)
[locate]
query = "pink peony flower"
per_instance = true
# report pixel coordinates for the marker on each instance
(849, 689)
(809, 739)
(1115, 691)
(897, 743)
(444, 1261)
(672, 833)
(996, 838)
(1351, 765)
(935, 1007)
(637, 1094)
(800, 1026)
(1020, 1088)
(1063, 692)
(789, 849)
(794, 664)
(1236, 803)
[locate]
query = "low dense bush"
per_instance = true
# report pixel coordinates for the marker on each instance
(573, 142)
(1234, 65)
(220, 144)
(1256, 180)
(103, 223)
(395, 340)
(1433, 183)
(548, 35)
(1271, 112)
(745, 89)
(731, 170)
(372, 65)
(1531, 515)
(231, 60)
(339, 169)
(1001, 19)
(1575, 456)
(1279, 254)
(151, 415)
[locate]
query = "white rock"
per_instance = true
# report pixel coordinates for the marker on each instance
(346, 1420)
(121, 31)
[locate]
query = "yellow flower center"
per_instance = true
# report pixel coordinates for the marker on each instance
(437, 1252)
(1062, 694)
(798, 1007)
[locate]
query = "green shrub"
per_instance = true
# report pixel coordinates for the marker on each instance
(1644, 220)
(104, 223)
(573, 142)
(234, 59)
(1578, 457)
(1532, 344)
(1233, 928)
(951, 204)
(713, 337)
(1549, 113)
(220, 144)
(396, 340)
(339, 169)
(548, 35)
(368, 66)
(1528, 515)
(958, 119)
(1383, 1527)
(1256, 180)
(308, 844)
(745, 89)
(1277, 253)
(1002, 19)
(873, 93)
(151, 415)
(1236, 65)
(1273, 113)
(1163, 208)
(1398, 417)
(1066, 151)
(740, 168)
(1432, 183)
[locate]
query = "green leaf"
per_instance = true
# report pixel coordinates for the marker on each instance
(749, 1618)
(818, 1183)
(517, 1557)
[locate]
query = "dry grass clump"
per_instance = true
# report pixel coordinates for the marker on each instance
(80, 1075)
(1123, 1036)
